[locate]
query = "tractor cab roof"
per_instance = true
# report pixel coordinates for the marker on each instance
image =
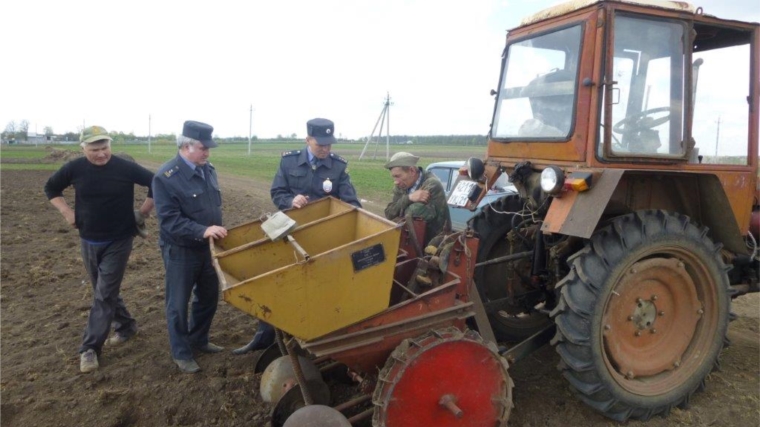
(564, 8)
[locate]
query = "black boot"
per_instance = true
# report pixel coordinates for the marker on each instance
(263, 338)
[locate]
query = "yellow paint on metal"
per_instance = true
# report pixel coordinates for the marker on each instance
(311, 298)
(251, 231)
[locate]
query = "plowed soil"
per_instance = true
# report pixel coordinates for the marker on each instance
(45, 298)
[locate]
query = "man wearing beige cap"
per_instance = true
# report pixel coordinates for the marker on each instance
(418, 194)
(103, 213)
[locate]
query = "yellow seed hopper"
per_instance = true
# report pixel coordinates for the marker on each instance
(336, 270)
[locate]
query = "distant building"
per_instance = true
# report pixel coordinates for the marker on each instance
(34, 138)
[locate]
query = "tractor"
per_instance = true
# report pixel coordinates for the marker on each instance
(637, 217)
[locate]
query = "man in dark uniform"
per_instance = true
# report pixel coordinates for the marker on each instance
(305, 176)
(189, 210)
(312, 173)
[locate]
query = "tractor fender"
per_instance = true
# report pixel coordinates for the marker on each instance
(619, 191)
(577, 214)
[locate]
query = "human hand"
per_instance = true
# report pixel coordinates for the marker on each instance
(216, 232)
(300, 201)
(70, 218)
(140, 222)
(420, 196)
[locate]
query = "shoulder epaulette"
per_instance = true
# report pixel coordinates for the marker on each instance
(211, 165)
(169, 172)
(291, 153)
(338, 158)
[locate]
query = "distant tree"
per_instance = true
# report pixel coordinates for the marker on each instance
(48, 131)
(10, 130)
(22, 131)
(70, 136)
(293, 135)
(117, 137)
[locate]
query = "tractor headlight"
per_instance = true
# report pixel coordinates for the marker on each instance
(552, 180)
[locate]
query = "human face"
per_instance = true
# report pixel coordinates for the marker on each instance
(404, 179)
(320, 151)
(98, 153)
(196, 153)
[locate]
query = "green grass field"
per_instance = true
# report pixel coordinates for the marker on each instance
(371, 180)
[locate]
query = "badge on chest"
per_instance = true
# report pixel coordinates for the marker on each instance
(327, 185)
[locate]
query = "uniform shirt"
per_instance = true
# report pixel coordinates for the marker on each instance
(104, 196)
(186, 203)
(296, 176)
(435, 212)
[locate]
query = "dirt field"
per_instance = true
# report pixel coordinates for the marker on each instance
(45, 299)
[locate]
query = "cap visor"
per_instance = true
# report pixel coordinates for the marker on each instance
(325, 140)
(96, 138)
(209, 143)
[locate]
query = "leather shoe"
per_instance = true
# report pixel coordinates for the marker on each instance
(187, 366)
(209, 348)
(263, 338)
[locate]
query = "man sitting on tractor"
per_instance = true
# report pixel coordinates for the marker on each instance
(417, 194)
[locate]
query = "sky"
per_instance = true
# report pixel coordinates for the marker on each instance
(143, 66)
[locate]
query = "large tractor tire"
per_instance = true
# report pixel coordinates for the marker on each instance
(643, 315)
(494, 281)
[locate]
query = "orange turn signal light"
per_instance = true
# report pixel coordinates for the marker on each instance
(578, 181)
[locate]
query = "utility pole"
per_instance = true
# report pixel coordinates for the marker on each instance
(148, 133)
(250, 128)
(385, 118)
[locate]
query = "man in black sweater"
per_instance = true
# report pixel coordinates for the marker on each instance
(103, 213)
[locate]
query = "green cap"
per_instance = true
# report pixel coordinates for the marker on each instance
(94, 134)
(402, 158)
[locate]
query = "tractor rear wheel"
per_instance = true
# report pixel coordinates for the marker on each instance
(643, 315)
(515, 321)
(443, 378)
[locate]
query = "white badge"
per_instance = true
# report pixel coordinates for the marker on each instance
(327, 185)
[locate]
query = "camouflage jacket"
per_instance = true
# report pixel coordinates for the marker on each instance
(435, 212)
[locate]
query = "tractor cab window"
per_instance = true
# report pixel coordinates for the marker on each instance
(722, 58)
(537, 95)
(645, 92)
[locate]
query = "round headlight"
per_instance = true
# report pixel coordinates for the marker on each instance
(552, 180)
(475, 168)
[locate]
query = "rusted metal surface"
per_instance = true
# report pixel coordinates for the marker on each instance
(739, 183)
(529, 345)
(755, 225)
(407, 245)
(428, 381)
(366, 345)
(571, 6)
(481, 317)
(651, 319)
(585, 209)
(659, 321)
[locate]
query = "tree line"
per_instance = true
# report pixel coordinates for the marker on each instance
(19, 131)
